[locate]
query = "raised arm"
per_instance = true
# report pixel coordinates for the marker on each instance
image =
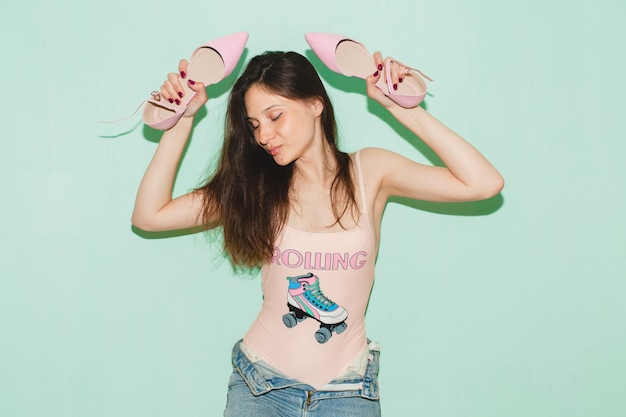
(155, 210)
(467, 174)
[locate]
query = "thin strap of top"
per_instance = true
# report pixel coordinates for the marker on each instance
(357, 159)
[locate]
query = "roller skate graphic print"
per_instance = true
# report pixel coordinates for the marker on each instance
(305, 299)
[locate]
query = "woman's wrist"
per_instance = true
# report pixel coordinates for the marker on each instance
(188, 119)
(184, 123)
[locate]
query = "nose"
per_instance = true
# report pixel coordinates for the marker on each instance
(264, 134)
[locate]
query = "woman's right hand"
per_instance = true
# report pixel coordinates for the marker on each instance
(172, 89)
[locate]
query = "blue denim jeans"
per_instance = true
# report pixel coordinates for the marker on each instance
(256, 389)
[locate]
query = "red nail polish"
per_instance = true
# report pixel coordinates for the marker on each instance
(400, 79)
(170, 100)
(191, 82)
(177, 102)
(182, 74)
(380, 67)
(376, 74)
(180, 94)
(395, 86)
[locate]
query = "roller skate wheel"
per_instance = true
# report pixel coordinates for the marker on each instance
(322, 335)
(290, 320)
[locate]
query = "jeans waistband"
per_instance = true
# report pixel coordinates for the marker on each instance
(262, 378)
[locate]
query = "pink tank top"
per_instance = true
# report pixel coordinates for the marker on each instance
(316, 288)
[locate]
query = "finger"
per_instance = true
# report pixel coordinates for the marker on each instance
(373, 78)
(198, 87)
(402, 70)
(182, 68)
(176, 91)
(397, 71)
(168, 91)
(401, 73)
(392, 82)
(199, 99)
(395, 74)
(378, 60)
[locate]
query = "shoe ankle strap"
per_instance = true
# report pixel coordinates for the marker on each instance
(156, 96)
(421, 73)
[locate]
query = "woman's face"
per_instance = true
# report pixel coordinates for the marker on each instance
(286, 129)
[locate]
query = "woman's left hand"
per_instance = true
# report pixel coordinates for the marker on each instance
(397, 71)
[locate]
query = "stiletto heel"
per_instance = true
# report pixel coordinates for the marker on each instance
(351, 58)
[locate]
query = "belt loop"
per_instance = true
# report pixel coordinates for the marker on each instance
(254, 379)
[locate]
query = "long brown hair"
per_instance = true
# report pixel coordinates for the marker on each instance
(250, 193)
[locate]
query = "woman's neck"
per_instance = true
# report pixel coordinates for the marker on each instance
(318, 166)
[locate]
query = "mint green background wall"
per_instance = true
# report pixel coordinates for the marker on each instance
(510, 307)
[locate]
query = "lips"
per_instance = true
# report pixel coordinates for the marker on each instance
(273, 150)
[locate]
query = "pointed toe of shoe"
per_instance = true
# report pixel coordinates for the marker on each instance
(230, 48)
(216, 60)
(342, 54)
(324, 45)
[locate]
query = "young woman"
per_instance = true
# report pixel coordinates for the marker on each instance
(290, 201)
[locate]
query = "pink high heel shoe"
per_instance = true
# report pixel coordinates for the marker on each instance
(209, 64)
(348, 57)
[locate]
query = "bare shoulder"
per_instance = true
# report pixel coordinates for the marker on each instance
(375, 165)
(376, 162)
(377, 155)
